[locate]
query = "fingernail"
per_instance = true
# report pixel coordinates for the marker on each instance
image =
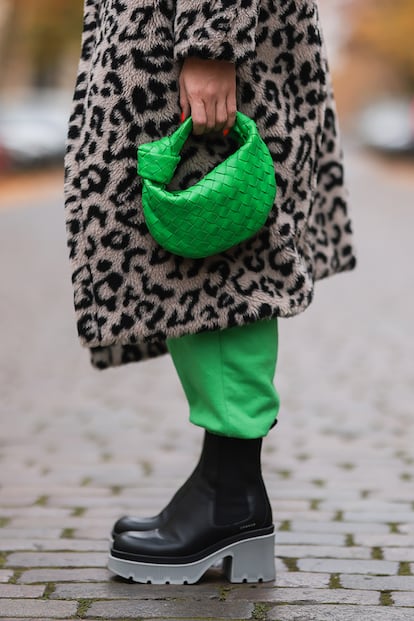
(182, 118)
(225, 132)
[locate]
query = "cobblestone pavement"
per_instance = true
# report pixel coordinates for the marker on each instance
(78, 447)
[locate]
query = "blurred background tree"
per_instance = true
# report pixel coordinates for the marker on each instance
(39, 41)
(50, 35)
(376, 55)
(370, 48)
(385, 28)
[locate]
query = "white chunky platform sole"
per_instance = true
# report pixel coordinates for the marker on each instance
(249, 560)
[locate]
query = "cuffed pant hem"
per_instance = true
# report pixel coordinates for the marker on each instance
(227, 376)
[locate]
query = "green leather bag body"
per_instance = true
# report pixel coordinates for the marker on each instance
(227, 206)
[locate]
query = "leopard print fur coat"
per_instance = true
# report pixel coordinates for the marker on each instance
(129, 293)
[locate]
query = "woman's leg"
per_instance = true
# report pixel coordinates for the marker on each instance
(223, 511)
(228, 380)
(227, 377)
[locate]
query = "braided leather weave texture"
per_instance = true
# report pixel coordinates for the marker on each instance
(229, 205)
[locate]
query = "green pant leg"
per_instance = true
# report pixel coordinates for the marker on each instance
(227, 376)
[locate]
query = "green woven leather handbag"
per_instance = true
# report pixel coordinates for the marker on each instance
(227, 206)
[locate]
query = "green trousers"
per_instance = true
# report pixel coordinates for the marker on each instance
(227, 376)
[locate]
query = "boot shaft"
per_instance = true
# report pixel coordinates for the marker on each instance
(232, 468)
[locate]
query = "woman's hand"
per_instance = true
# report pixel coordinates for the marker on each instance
(208, 94)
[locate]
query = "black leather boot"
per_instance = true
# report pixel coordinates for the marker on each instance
(129, 522)
(221, 513)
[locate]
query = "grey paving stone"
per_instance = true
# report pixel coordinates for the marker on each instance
(97, 532)
(289, 492)
(98, 504)
(52, 491)
(308, 517)
(113, 513)
(40, 545)
(5, 575)
(398, 494)
(41, 513)
(18, 590)
(382, 517)
(37, 609)
(350, 552)
(305, 595)
(118, 609)
(57, 559)
(302, 579)
(280, 566)
(403, 598)
(370, 505)
(18, 500)
(399, 554)
(338, 613)
(407, 528)
(63, 575)
(296, 538)
(348, 566)
(338, 527)
(121, 590)
(391, 540)
(8, 512)
(62, 523)
(29, 533)
(378, 583)
(293, 506)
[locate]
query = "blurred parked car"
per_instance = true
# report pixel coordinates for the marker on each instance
(388, 126)
(33, 130)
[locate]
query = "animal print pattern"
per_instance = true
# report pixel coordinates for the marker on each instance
(129, 293)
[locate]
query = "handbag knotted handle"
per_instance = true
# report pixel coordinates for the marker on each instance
(158, 160)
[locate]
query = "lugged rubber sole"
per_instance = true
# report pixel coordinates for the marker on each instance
(249, 560)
